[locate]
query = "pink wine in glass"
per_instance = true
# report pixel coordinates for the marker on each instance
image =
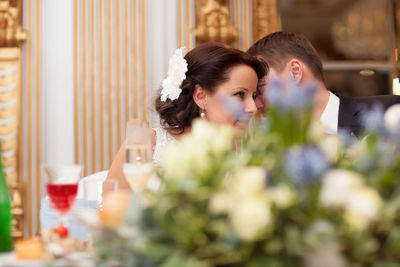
(62, 197)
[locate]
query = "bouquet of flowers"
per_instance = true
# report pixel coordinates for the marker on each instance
(287, 196)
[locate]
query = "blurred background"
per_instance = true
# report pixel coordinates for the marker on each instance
(73, 72)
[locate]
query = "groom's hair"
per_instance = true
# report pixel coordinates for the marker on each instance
(277, 48)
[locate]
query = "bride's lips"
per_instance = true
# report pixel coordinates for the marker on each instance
(242, 122)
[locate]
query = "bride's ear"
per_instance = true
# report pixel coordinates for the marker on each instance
(200, 96)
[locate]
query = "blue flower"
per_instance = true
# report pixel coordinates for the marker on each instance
(346, 137)
(290, 95)
(306, 164)
(300, 96)
(373, 121)
(274, 93)
(395, 135)
(234, 108)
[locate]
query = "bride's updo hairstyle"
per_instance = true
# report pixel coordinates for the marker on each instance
(208, 66)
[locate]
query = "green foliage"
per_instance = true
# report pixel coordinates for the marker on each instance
(264, 205)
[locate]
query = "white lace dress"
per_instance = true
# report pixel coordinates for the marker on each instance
(162, 139)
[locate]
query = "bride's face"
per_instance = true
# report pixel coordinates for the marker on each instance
(240, 88)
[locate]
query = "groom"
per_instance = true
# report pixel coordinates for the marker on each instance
(292, 55)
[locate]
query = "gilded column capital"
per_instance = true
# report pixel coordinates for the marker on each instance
(213, 22)
(265, 18)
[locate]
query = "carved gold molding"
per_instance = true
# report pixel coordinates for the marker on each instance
(213, 22)
(11, 33)
(10, 72)
(11, 36)
(265, 18)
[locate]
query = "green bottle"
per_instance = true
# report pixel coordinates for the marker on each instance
(5, 213)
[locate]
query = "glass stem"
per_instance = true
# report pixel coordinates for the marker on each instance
(63, 220)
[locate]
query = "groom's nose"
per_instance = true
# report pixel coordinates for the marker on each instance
(259, 103)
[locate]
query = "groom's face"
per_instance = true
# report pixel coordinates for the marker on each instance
(263, 86)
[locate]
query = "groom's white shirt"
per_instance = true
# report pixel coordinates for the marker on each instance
(330, 116)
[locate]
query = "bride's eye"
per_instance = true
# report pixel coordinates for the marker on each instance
(255, 95)
(239, 94)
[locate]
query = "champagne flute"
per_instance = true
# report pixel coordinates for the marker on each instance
(138, 165)
(62, 188)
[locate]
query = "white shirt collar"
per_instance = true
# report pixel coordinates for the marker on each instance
(330, 116)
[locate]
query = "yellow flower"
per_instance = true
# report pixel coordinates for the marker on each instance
(355, 220)
(221, 202)
(190, 156)
(331, 145)
(392, 118)
(282, 196)
(250, 216)
(365, 202)
(358, 149)
(345, 189)
(248, 180)
(175, 162)
(337, 187)
(216, 138)
(316, 131)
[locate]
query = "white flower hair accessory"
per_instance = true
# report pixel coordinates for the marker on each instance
(177, 69)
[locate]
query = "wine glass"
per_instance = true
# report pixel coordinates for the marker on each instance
(138, 165)
(95, 190)
(62, 188)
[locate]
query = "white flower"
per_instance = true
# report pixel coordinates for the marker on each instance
(331, 145)
(327, 255)
(191, 155)
(221, 202)
(345, 189)
(184, 158)
(250, 216)
(282, 196)
(176, 74)
(358, 149)
(248, 180)
(338, 185)
(364, 202)
(218, 138)
(392, 118)
(363, 206)
(355, 220)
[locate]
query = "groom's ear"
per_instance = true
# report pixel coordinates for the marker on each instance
(296, 69)
(200, 96)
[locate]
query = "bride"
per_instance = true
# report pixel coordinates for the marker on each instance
(200, 84)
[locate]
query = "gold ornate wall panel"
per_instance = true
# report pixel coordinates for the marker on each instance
(11, 35)
(213, 22)
(11, 32)
(10, 71)
(265, 18)
(110, 76)
(234, 22)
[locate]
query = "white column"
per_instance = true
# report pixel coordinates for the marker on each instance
(57, 82)
(162, 42)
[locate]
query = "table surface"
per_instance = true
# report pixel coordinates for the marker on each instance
(50, 218)
(79, 259)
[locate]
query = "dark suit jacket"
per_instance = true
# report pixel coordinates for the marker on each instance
(351, 109)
